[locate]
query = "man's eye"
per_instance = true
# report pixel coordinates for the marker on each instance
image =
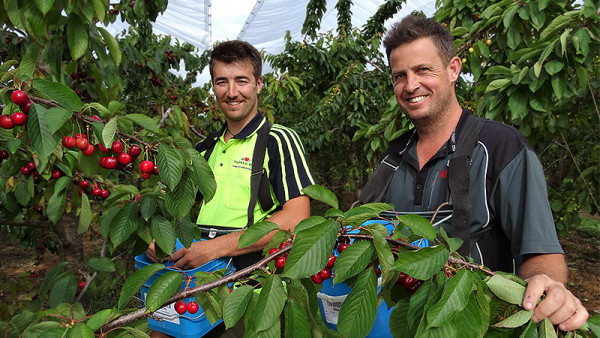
(397, 77)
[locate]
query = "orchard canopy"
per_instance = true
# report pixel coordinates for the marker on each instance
(99, 123)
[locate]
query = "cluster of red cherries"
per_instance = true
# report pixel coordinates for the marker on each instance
(182, 307)
(19, 118)
(95, 188)
(29, 169)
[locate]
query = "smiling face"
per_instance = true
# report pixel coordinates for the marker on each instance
(236, 90)
(423, 83)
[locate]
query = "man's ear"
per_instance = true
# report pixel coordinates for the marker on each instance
(454, 66)
(259, 84)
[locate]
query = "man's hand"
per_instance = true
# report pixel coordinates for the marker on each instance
(151, 253)
(199, 253)
(559, 305)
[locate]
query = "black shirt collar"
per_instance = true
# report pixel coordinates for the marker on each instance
(249, 128)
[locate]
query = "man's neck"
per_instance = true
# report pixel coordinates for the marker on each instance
(434, 134)
(235, 127)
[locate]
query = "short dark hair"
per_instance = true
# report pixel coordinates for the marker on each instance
(235, 51)
(414, 27)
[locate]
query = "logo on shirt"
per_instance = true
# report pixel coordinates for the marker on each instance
(444, 173)
(243, 162)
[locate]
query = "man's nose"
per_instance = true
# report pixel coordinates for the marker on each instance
(412, 83)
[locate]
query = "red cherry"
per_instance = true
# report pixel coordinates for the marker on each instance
(193, 307)
(316, 278)
(155, 170)
(110, 163)
(80, 192)
(284, 244)
(124, 158)
(19, 97)
(377, 271)
(26, 107)
(81, 284)
(409, 282)
(331, 261)
(180, 307)
(6, 122)
(146, 175)
(342, 247)
(117, 147)
(401, 278)
(25, 171)
(103, 161)
(135, 150)
(325, 273)
(89, 150)
(19, 118)
(3, 154)
(31, 165)
(146, 166)
(104, 193)
(84, 184)
(102, 148)
(96, 117)
(272, 251)
(82, 143)
(78, 136)
(56, 174)
(280, 262)
(97, 191)
(69, 142)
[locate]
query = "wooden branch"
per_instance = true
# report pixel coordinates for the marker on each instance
(27, 223)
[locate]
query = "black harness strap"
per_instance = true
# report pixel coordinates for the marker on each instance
(380, 180)
(259, 182)
(458, 181)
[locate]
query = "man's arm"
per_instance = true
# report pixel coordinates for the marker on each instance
(547, 274)
(292, 212)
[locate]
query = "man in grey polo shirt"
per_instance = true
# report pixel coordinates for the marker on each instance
(507, 192)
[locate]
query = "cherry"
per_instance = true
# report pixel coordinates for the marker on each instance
(19, 97)
(272, 251)
(6, 122)
(377, 271)
(102, 148)
(325, 273)
(409, 282)
(110, 163)
(401, 278)
(316, 278)
(3, 154)
(56, 174)
(25, 171)
(26, 107)
(117, 147)
(124, 158)
(284, 244)
(103, 161)
(146, 166)
(331, 261)
(155, 170)
(89, 150)
(280, 262)
(80, 192)
(342, 247)
(135, 150)
(78, 136)
(97, 118)
(19, 118)
(146, 175)
(81, 284)
(84, 184)
(97, 191)
(69, 142)
(104, 193)
(193, 307)
(180, 307)
(82, 143)
(31, 165)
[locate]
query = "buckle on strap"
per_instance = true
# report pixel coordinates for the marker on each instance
(259, 172)
(389, 164)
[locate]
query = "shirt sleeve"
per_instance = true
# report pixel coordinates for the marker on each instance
(289, 171)
(521, 203)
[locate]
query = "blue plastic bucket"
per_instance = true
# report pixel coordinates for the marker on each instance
(168, 320)
(331, 297)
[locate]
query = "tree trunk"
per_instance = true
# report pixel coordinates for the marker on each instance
(72, 242)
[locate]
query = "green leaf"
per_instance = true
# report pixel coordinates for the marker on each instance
(311, 250)
(180, 200)
(353, 260)
(50, 277)
(509, 14)
(143, 121)
(546, 329)
(85, 216)
(255, 232)
(497, 70)
(357, 216)
(163, 232)
(499, 84)
(309, 223)
(322, 194)
(516, 320)
(454, 299)
(109, 131)
(422, 263)
(60, 93)
(44, 5)
(170, 165)
(22, 193)
(44, 329)
(554, 66)
(560, 86)
(77, 36)
(399, 327)
(29, 60)
(124, 223)
(384, 254)
(270, 303)
(558, 23)
(517, 102)
(133, 284)
(56, 206)
(43, 141)
(113, 46)
(185, 231)
(102, 264)
(419, 226)
(359, 309)
(56, 117)
(63, 290)
(506, 289)
(296, 320)
(203, 176)
(147, 207)
(235, 305)
(162, 289)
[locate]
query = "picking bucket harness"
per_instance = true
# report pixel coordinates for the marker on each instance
(458, 181)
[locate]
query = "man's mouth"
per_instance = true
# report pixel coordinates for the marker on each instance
(417, 99)
(234, 103)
